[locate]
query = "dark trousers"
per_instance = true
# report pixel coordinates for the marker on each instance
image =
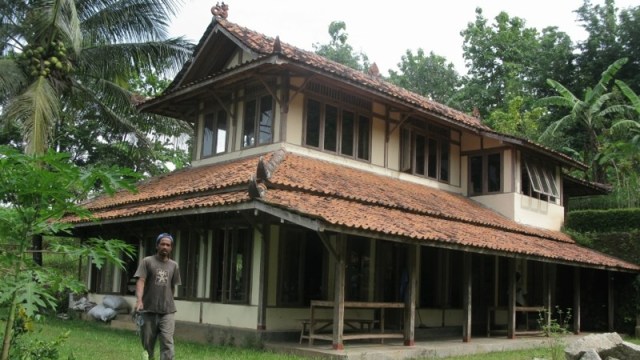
(158, 326)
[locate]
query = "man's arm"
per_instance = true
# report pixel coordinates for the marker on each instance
(139, 294)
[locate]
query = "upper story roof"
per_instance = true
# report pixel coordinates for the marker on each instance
(223, 38)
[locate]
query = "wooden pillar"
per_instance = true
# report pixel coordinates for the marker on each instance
(511, 301)
(610, 305)
(338, 300)
(576, 300)
(413, 252)
(547, 276)
(467, 279)
(284, 107)
(262, 289)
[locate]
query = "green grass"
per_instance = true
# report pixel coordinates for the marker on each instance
(89, 340)
(97, 341)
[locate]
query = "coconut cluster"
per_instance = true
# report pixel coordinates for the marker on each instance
(43, 61)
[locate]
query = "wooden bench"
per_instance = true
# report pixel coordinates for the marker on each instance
(358, 325)
(524, 309)
(322, 324)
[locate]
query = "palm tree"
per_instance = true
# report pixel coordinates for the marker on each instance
(60, 59)
(631, 125)
(59, 56)
(589, 115)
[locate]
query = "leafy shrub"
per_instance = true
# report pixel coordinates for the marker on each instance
(603, 220)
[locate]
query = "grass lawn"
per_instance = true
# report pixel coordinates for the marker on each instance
(90, 340)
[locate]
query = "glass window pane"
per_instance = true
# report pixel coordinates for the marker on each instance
(432, 164)
(218, 283)
(248, 125)
(291, 253)
(330, 128)
(535, 181)
(348, 124)
(549, 173)
(221, 137)
(444, 160)
(239, 262)
(266, 120)
(312, 136)
(493, 172)
(421, 148)
(207, 135)
(364, 136)
(475, 170)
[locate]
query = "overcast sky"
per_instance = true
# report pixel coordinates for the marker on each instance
(382, 30)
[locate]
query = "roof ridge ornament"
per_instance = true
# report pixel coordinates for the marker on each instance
(373, 70)
(220, 10)
(277, 46)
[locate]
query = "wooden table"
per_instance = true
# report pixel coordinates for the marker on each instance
(314, 321)
(525, 309)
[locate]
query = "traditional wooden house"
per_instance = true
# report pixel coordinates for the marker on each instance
(326, 197)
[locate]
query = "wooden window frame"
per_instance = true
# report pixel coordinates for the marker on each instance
(539, 180)
(310, 262)
(485, 173)
(360, 148)
(226, 242)
(256, 120)
(409, 161)
(214, 117)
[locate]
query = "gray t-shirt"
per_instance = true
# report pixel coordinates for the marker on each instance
(160, 278)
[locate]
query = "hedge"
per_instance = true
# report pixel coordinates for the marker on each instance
(603, 220)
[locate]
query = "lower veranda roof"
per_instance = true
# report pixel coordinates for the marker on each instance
(344, 199)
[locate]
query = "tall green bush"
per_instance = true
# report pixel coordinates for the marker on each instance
(36, 192)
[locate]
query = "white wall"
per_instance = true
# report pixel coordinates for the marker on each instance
(525, 210)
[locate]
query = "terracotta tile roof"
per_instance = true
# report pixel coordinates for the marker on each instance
(435, 231)
(164, 206)
(263, 46)
(324, 178)
(183, 183)
(346, 198)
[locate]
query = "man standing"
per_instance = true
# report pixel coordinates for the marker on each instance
(157, 276)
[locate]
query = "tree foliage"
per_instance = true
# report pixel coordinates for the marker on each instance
(431, 76)
(612, 34)
(339, 50)
(67, 63)
(516, 120)
(36, 192)
(589, 115)
(506, 59)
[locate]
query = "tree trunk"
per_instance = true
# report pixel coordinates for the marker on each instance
(37, 249)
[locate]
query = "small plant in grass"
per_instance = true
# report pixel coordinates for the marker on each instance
(555, 329)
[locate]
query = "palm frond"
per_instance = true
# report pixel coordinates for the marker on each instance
(630, 94)
(611, 70)
(597, 104)
(68, 23)
(111, 61)
(107, 112)
(554, 126)
(626, 126)
(36, 110)
(111, 21)
(563, 91)
(12, 79)
(615, 109)
(556, 101)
